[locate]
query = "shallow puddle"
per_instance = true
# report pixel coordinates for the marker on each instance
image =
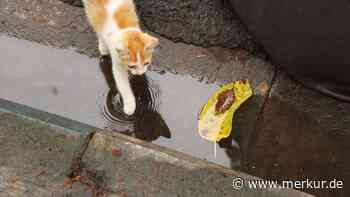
(66, 83)
(75, 86)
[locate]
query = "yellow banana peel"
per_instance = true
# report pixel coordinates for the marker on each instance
(214, 126)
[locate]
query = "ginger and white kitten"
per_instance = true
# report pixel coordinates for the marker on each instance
(119, 35)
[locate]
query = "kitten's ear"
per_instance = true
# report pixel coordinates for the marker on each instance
(151, 42)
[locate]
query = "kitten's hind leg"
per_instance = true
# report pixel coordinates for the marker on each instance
(102, 47)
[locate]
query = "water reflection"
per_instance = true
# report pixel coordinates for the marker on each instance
(72, 85)
(146, 124)
(232, 150)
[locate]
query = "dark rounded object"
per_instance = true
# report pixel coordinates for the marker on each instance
(310, 39)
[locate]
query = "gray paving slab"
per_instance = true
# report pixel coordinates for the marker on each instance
(132, 167)
(37, 156)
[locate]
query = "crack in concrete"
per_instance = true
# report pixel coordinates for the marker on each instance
(266, 99)
(92, 178)
(79, 154)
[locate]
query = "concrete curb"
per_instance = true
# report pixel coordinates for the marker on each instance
(137, 160)
(51, 119)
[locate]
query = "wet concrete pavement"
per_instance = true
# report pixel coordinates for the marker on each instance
(213, 65)
(36, 158)
(293, 134)
(42, 158)
(72, 85)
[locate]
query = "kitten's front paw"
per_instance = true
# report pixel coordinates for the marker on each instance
(103, 49)
(129, 108)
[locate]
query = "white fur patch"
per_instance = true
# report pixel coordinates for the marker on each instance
(138, 58)
(113, 5)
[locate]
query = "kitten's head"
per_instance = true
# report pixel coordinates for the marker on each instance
(136, 51)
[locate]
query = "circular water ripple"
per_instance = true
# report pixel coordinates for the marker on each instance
(147, 102)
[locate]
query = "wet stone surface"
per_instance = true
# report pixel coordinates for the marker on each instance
(302, 135)
(36, 158)
(63, 78)
(299, 134)
(141, 169)
(58, 24)
(188, 21)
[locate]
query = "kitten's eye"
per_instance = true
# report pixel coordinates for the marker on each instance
(147, 63)
(132, 66)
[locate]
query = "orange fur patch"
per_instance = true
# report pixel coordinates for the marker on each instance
(97, 13)
(126, 16)
(136, 44)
